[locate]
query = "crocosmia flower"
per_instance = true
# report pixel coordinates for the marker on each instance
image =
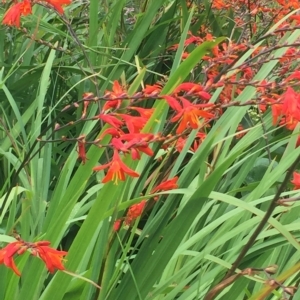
(57, 4)
(52, 258)
(134, 212)
(117, 170)
(296, 180)
(167, 185)
(7, 255)
(117, 225)
(188, 114)
(14, 13)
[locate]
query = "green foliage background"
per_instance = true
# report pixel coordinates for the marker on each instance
(47, 194)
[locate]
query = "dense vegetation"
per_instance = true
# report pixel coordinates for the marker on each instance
(149, 150)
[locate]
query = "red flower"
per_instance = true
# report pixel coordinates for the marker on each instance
(7, 255)
(188, 113)
(142, 147)
(85, 106)
(52, 258)
(117, 144)
(193, 88)
(181, 141)
(117, 225)
(117, 92)
(295, 74)
(81, 151)
(296, 18)
(111, 131)
(145, 149)
(139, 137)
(296, 180)
(219, 4)
(117, 170)
(134, 124)
(14, 13)
(190, 117)
(134, 146)
(144, 112)
(167, 185)
(289, 123)
(291, 104)
(276, 112)
(138, 142)
(57, 4)
(185, 55)
(109, 119)
(134, 212)
(173, 103)
(200, 136)
(152, 90)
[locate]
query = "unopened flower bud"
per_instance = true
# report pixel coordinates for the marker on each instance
(271, 269)
(290, 290)
(56, 126)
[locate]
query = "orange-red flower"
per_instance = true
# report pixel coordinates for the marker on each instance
(117, 92)
(291, 104)
(81, 151)
(57, 4)
(134, 212)
(52, 258)
(193, 88)
(188, 113)
(167, 185)
(117, 225)
(109, 119)
(14, 13)
(151, 90)
(295, 74)
(7, 255)
(133, 146)
(144, 112)
(296, 180)
(117, 144)
(276, 112)
(143, 148)
(181, 141)
(117, 170)
(138, 142)
(114, 132)
(220, 4)
(134, 124)
(85, 106)
(200, 136)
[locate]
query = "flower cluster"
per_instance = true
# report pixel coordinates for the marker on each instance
(190, 109)
(51, 257)
(23, 8)
(275, 9)
(189, 101)
(190, 105)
